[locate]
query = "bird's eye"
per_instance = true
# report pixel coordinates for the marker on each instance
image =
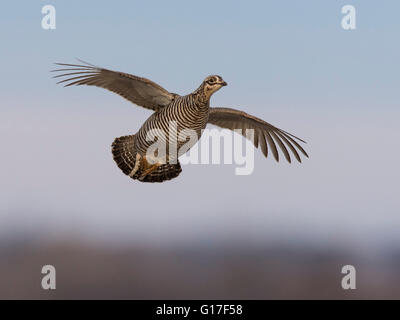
(211, 81)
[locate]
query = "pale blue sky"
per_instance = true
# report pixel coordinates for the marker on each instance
(289, 62)
(270, 47)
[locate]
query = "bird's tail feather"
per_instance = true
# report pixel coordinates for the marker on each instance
(134, 165)
(124, 153)
(162, 173)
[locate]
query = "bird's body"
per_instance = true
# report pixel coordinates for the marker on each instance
(175, 120)
(183, 113)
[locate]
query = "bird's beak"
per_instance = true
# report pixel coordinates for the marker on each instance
(223, 83)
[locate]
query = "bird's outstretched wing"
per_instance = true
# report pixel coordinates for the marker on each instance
(140, 91)
(265, 134)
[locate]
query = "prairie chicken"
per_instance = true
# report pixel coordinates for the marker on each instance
(189, 112)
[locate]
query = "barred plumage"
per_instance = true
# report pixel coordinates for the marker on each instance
(173, 115)
(183, 113)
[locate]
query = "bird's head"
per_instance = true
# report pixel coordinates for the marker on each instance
(212, 84)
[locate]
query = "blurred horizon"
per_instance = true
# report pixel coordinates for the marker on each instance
(93, 270)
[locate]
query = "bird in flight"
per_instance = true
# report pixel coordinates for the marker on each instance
(188, 112)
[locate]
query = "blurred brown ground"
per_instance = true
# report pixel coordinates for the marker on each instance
(226, 271)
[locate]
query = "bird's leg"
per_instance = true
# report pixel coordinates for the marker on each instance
(148, 168)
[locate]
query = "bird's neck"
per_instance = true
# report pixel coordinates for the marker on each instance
(200, 95)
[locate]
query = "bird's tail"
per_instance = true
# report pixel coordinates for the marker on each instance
(135, 166)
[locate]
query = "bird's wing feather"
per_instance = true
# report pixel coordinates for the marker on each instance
(265, 134)
(140, 91)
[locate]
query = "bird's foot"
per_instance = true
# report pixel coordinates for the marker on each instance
(148, 168)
